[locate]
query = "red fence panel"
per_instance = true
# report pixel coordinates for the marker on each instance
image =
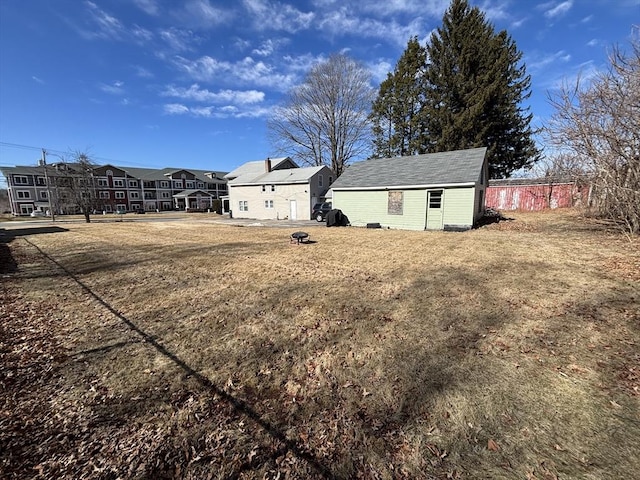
(533, 197)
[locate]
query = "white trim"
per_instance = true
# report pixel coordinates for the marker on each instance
(407, 187)
(253, 184)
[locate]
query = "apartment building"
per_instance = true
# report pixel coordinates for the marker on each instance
(115, 188)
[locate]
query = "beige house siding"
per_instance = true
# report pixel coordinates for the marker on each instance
(281, 198)
(458, 206)
(303, 194)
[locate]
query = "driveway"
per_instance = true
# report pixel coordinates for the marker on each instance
(164, 217)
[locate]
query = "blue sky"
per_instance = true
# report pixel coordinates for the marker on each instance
(159, 83)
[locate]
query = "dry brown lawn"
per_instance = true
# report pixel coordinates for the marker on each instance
(198, 350)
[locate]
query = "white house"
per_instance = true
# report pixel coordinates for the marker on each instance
(276, 189)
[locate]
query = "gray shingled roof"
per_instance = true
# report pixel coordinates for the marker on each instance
(286, 175)
(161, 174)
(255, 168)
(141, 173)
(444, 168)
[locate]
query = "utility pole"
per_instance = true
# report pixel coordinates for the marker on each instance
(46, 179)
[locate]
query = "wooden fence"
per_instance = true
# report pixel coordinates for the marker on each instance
(534, 195)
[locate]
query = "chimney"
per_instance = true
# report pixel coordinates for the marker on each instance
(267, 165)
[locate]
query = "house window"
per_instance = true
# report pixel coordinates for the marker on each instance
(118, 183)
(119, 195)
(121, 207)
(103, 182)
(23, 194)
(165, 195)
(133, 183)
(244, 205)
(177, 184)
(43, 195)
(395, 203)
(200, 185)
(268, 204)
(435, 199)
(40, 181)
(190, 185)
(20, 180)
(107, 208)
(26, 209)
(104, 195)
(134, 194)
(164, 184)
(320, 180)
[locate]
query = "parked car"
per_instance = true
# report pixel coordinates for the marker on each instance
(139, 210)
(320, 211)
(38, 213)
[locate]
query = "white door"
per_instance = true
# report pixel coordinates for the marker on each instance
(434, 210)
(293, 215)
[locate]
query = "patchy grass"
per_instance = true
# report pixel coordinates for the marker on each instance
(193, 350)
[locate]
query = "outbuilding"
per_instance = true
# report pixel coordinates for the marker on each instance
(436, 191)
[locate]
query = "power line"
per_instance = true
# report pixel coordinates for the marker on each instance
(61, 152)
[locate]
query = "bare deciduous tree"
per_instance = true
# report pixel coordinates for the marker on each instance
(324, 121)
(76, 186)
(599, 126)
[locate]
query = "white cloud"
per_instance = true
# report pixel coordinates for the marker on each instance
(106, 26)
(227, 111)
(149, 6)
(379, 70)
(200, 13)
(495, 11)
(246, 71)
(431, 8)
(559, 9)
(114, 89)
(537, 64)
(268, 15)
(175, 109)
(141, 34)
(37, 80)
(195, 93)
(268, 47)
(143, 72)
(179, 40)
(202, 111)
(341, 20)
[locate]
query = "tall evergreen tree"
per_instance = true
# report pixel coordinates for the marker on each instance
(476, 85)
(397, 113)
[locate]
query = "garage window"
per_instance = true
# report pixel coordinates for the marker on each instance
(435, 199)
